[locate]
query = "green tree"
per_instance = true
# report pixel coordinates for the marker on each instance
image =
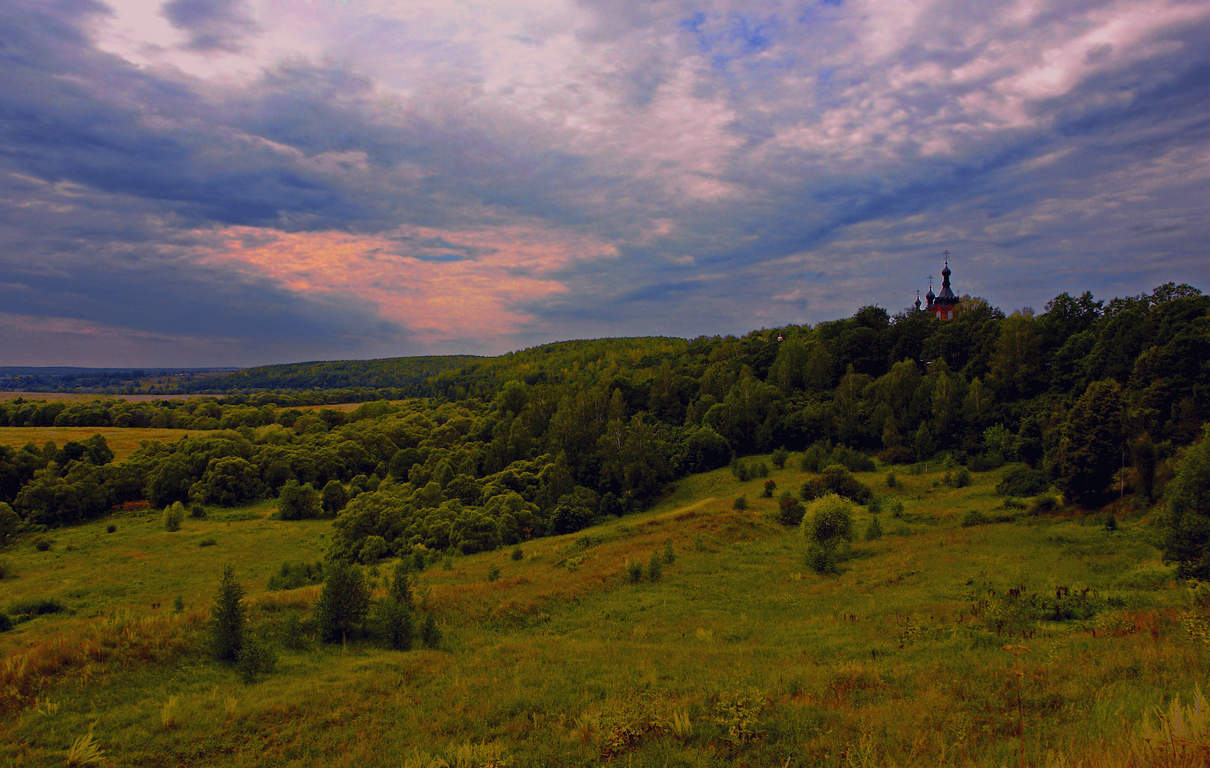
(9, 523)
(227, 618)
(342, 605)
(1090, 450)
(298, 502)
(1187, 525)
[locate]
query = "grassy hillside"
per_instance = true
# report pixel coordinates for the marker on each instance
(123, 441)
(914, 654)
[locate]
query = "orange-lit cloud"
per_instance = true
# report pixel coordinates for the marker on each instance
(495, 272)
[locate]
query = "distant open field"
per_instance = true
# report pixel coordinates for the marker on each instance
(77, 397)
(122, 441)
(915, 654)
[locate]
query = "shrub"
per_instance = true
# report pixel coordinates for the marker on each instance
(518, 554)
(255, 658)
(110, 528)
(634, 571)
(173, 514)
(292, 633)
(832, 519)
(42, 545)
(770, 486)
(9, 522)
(28, 608)
(343, 603)
(207, 542)
(655, 567)
(334, 498)
(373, 549)
(1186, 524)
(891, 482)
(197, 512)
(493, 573)
(227, 618)
(897, 510)
(789, 510)
(760, 470)
(178, 604)
(400, 588)
(821, 559)
(874, 529)
(1023, 481)
(669, 555)
(6, 570)
(1043, 505)
(959, 479)
(974, 517)
(293, 575)
(840, 481)
(298, 502)
(740, 503)
(853, 460)
(5, 622)
(394, 624)
(779, 457)
(816, 457)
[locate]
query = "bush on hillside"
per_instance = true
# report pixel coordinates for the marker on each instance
(1023, 481)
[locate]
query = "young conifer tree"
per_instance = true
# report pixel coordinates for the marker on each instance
(227, 618)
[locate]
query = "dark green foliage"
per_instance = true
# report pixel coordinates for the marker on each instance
(394, 623)
(343, 604)
(1091, 449)
(874, 529)
(293, 575)
(1186, 527)
(821, 559)
(770, 486)
(1043, 505)
(974, 517)
(110, 528)
(493, 573)
(173, 514)
(31, 607)
(669, 554)
(5, 622)
(891, 482)
(740, 503)
(1023, 481)
(298, 502)
(256, 658)
(178, 604)
(832, 520)
(1145, 457)
(9, 523)
(197, 511)
(959, 479)
(400, 587)
(789, 510)
(634, 571)
(227, 619)
(208, 542)
(655, 567)
(292, 633)
(517, 554)
(334, 497)
(779, 457)
(6, 570)
(42, 545)
(836, 479)
(1111, 522)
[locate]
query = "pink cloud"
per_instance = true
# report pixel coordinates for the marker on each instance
(507, 267)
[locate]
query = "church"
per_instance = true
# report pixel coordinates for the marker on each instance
(943, 305)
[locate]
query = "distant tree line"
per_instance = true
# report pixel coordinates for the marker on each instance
(550, 439)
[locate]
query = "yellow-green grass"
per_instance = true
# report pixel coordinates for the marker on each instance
(738, 655)
(123, 441)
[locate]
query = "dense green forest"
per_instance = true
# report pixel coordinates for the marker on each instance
(1097, 397)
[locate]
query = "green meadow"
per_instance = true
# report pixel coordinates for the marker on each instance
(915, 654)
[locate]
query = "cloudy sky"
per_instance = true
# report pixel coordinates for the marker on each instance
(231, 182)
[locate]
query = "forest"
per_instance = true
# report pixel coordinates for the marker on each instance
(1095, 397)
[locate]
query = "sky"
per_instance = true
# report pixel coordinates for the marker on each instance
(239, 182)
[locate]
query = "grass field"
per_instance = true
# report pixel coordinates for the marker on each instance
(123, 441)
(738, 655)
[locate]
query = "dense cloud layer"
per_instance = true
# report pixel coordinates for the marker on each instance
(227, 182)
